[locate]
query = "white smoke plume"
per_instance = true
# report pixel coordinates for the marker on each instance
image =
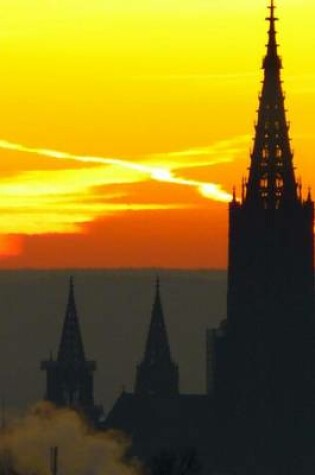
(25, 446)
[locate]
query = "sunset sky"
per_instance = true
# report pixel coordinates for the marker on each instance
(125, 124)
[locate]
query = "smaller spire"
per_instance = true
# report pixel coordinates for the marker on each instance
(71, 346)
(70, 376)
(157, 374)
(157, 347)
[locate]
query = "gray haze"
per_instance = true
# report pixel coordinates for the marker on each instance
(114, 309)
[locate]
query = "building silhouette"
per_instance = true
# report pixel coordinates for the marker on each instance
(261, 359)
(157, 374)
(69, 380)
(258, 416)
(158, 418)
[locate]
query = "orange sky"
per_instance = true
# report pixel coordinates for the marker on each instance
(152, 103)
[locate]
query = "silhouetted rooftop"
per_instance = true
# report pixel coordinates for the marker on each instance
(158, 423)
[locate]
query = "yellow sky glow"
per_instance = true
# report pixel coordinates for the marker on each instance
(169, 88)
(40, 199)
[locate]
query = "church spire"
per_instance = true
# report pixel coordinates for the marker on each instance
(71, 349)
(272, 54)
(271, 181)
(157, 374)
(157, 345)
(70, 376)
(263, 358)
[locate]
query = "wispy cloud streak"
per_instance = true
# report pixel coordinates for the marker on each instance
(164, 174)
(63, 200)
(220, 152)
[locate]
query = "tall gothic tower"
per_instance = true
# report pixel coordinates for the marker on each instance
(265, 350)
(70, 376)
(157, 374)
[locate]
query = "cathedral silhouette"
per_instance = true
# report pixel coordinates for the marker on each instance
(258, 415)
(70, 376)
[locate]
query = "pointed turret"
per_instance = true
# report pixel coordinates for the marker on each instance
(157, 374)
(157, 346)
(70, 377)
(271, 180)
(71, 349)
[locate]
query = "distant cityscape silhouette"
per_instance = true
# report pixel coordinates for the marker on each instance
(258, 415)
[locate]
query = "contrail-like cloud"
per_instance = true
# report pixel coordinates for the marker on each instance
(212, 191)
(220, 152)
(64, 200)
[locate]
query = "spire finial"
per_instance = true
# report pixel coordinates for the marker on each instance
(272, 9)
(71, 284)
(272, 44)
(272, 17)
(71, 299)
